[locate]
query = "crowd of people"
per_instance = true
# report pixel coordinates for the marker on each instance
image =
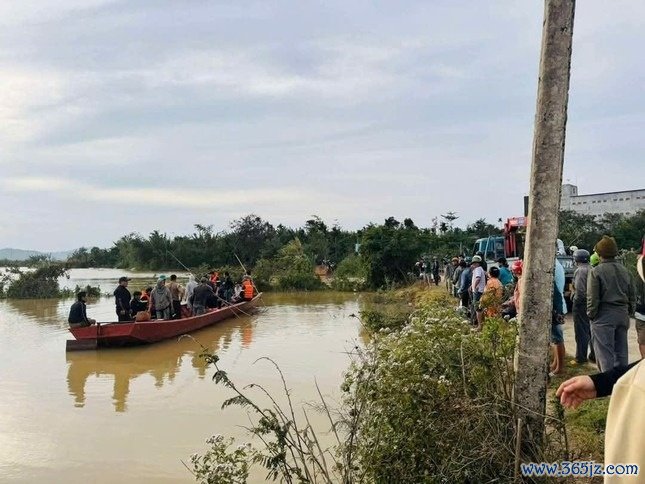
(169, 299)
(603, 298)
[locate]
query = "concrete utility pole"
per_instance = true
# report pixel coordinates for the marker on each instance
(531, 363)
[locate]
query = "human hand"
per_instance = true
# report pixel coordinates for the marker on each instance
(576, 390)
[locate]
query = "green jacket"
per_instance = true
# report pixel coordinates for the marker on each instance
(610, 288)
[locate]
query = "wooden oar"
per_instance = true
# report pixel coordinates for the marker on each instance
(84, 344)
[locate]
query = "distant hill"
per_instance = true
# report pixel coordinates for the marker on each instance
(21, 254)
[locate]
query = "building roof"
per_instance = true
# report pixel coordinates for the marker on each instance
(608, 193)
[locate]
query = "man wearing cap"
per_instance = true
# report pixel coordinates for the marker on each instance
(610, 301)
(122, 299)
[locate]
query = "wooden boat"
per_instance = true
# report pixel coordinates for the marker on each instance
(138, 333)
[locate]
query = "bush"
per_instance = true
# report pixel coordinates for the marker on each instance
(41, 283)
(350, 275)
(92, 291)
(437, 402)
(290, 269)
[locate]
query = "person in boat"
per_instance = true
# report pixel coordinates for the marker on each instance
(248, 289)
(122, 299)
(145, 297)
(177, 292)
(137, 305)
(214, 276)
(161, 299)
(188, 294)
(78, 312)
(201, 295)
(220, 294)
(228, 286)
(145, 294)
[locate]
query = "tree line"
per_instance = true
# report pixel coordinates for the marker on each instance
(387, 252)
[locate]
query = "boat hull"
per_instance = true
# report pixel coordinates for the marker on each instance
(138, 333)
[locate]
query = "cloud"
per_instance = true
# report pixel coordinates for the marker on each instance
(181, 197)
(351, 110)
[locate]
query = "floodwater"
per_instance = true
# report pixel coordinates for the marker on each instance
(132, 415)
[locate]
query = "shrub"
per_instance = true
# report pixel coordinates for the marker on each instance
(41, 283)
(290, 269)
(437, 404)
(92, 291)
(221, 466)
(350, 275)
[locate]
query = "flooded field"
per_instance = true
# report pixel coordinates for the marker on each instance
(132, 415)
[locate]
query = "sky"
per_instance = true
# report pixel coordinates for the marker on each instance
(130, 116)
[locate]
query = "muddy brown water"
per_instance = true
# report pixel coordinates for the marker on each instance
(132, 415)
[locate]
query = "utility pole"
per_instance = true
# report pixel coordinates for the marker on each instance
(531, 357)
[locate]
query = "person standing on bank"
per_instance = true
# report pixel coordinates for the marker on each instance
(581, 324)
(161, 299)
(610, 301)
(122, 299)
(478, 284)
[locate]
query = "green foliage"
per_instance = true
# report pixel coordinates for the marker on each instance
(92, 291)
(389, 252)
(219, 465)
(289, 269)
(585, 230)
(435, 401)
(40, 283)
(350, 275)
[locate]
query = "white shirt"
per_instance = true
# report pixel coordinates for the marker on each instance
(478, 287)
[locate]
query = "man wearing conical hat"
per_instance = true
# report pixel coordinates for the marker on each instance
(610, 301)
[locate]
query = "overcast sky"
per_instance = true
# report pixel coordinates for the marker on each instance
(121, 116)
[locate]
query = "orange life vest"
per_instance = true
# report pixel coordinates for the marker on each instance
(247, 286)
(215, 276)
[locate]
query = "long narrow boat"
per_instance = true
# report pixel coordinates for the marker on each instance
(128, 334)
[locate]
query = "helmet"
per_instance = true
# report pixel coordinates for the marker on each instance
(581, 255)
(517, 267)
(594, 259)
(573, 248)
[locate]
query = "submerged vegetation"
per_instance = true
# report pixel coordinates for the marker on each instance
(39, 282)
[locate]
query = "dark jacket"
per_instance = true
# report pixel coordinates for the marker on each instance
(122, 298)
(580, 277)
(604, 382)
(202, 294)
(610, 290)
(78, 313)
(137, 305)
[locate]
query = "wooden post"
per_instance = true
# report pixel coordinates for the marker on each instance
(531, 358)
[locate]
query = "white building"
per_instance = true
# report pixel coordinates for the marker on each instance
(625, 203)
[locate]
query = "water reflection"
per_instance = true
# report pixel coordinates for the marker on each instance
(40, 310)
(162, 361)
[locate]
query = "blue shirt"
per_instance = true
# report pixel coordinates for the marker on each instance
(560, 282)
(505, 276)
(465, 278)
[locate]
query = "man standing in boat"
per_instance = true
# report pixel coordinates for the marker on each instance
(122, 299)
(177, 292)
